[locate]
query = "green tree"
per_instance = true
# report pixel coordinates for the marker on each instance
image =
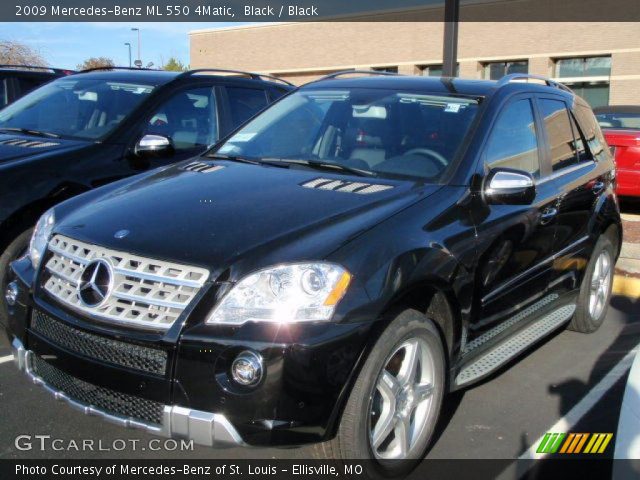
(174, 65)
(96, 62)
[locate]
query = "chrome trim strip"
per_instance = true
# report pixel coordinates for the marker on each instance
(550, 259)
(156, 302)
(204, 428)
(566, 171)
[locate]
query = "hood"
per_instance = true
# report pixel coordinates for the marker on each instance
(14, 147)
(218, 214)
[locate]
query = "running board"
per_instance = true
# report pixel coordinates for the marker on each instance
(514, 345)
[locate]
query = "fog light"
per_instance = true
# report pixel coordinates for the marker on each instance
(246, 369)
(11, 294)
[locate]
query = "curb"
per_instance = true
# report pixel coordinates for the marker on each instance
(626, 286)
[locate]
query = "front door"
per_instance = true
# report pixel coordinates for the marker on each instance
(515, 241)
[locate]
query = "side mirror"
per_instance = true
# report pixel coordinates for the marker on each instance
(152, 145)
(510, 187)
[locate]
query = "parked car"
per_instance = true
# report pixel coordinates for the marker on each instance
(89, 129)
(18, 80)
(621, 127)
(331, 270)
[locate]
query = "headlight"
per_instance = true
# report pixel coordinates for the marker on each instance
(40, 237)
(302, 292)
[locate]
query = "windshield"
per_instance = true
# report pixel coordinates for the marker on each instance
(75, 107)
(629, 121)
(387, 133)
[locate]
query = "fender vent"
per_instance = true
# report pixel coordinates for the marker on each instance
(202, 167)
(347, 187)
(21, 142)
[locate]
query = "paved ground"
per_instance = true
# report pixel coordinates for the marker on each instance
(571, 382)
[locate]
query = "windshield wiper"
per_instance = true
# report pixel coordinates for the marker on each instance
(251, 161)
(30, 131)
(330, 166)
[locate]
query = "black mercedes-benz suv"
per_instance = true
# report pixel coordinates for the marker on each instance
(331, 270)
(89, 129)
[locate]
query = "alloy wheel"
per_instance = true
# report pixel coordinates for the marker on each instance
(401, 404)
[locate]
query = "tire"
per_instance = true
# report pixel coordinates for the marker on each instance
(364, 409)
(15, 249)
(588, 319)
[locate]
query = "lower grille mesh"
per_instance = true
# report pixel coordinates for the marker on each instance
(99, 397)
(128, 355)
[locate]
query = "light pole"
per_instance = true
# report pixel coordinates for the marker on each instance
(129, 45)
(139, 59)
(450, 46)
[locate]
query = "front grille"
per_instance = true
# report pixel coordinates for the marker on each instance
(99, 397)
(124, 354)
(146, 293)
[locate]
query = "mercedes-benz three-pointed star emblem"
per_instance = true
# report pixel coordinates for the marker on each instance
(96, 283)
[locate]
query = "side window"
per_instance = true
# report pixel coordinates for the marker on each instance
(513, 142)
(591, 130)
(4, 94)
(189, 118)
(580, 145)
(245, 103)
(560, 136)
(28, 84)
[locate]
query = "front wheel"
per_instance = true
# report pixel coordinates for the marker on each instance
(393, 408)
(15, 250)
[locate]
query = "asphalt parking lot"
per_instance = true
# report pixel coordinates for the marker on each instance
(570, 382)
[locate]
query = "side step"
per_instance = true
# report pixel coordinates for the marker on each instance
(514, 345)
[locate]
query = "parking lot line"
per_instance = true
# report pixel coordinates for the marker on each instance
(581, 408)
(6, 358)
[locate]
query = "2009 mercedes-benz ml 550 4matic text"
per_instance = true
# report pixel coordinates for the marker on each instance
(330, 270)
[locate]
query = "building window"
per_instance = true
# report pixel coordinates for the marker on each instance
(436, 70)
(588, 77)
(497, 70)
(385, 69)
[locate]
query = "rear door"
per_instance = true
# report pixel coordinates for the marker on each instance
(575, 149)
(516, 241)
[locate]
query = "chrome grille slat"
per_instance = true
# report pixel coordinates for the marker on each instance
(147, 293)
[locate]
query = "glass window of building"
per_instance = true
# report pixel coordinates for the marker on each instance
(497, 70)
(436, 70)
(385, 69)
(588, 77)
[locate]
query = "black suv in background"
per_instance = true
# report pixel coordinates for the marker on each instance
(331, 270)
(89, 129)
(18, 80)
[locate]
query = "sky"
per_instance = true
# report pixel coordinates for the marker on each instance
(65, 45)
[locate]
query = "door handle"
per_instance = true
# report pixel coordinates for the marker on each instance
(597, 187)
(547, 215)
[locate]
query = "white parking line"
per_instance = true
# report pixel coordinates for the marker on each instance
(6, 359)
(581, 408)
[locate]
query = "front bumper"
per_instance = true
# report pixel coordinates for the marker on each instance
(204, 428)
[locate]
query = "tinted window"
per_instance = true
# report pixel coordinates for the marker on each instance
(559, 133)
(591, 130)
(513, 142)
(4, 98)
(76, 107)
(386, 132)
(28, 84)
(245, 103)
(188, 118)
(620, 120)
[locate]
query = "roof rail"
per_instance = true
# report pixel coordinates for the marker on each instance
(36, 67)
(252, 75)
(347, 72)
(94, 69)
(517, 76)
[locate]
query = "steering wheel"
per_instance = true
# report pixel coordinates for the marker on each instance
(430, 154)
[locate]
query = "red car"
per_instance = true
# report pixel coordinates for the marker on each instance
(621, 127)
